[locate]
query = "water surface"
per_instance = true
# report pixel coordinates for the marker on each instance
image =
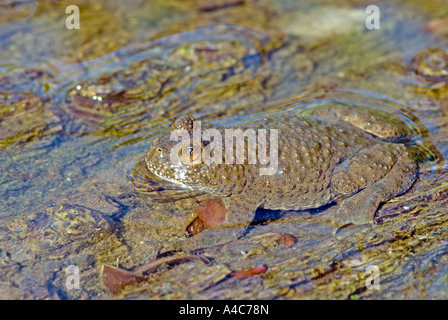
(79, 108)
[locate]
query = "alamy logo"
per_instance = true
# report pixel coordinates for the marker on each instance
(207, 147)
(72, 281)
(373, 20)
(373, 279)
(72, 21)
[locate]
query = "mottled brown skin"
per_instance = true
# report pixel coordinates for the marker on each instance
(321, 159)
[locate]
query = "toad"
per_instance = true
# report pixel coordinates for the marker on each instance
(351, 156)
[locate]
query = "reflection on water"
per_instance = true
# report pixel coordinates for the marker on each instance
(79, 109)
(431, 67)
(120, 93)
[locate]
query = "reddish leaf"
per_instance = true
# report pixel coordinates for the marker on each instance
(115, 279)
(436, 26)
(249, 273)
(196, 226)
(212, 213)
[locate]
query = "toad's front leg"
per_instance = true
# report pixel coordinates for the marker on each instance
(239, 213)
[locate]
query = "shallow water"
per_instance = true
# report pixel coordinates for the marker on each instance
(79, 108)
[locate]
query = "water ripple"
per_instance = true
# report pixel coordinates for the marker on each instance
(133, 88)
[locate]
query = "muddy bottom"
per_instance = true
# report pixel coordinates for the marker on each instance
(80, 217)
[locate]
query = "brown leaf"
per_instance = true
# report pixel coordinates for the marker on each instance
(195, 227)
(251, 272)
(115, 279)
(212, 212)
(436, 26)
